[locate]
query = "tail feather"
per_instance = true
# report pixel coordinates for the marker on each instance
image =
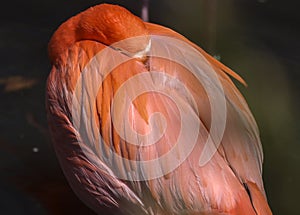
(259, 200)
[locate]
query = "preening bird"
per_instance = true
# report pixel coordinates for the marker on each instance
(144, 121)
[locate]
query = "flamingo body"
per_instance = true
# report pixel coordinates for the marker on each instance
(229, 183)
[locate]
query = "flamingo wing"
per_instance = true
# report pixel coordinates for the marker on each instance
(91, 179)
(240, 147)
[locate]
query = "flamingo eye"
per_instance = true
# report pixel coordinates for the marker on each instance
(122, 51)
(116, 48)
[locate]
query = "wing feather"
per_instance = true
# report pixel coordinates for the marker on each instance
(239, 114)
(91, 179)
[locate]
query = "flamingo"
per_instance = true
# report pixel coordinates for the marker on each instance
(132, 107)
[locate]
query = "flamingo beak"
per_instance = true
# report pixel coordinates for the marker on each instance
(143, 53)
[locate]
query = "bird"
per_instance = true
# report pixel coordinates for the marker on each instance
(144, 121)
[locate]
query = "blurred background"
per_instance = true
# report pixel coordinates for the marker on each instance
(259, 39)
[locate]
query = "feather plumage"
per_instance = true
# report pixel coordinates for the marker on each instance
(93, 124)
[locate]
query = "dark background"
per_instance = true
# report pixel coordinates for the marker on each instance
(257, 39)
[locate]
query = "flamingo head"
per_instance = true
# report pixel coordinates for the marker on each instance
(115, 26)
